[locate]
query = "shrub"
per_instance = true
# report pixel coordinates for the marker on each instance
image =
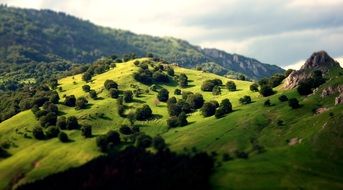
(245, 100)
(171, 100)
(208, 85)
(125, 130)
(276, 80)
(86, 88)
(174, 109)
(86, 131)
(177, 91)
(48, 119)
(121, 110)
(38, 133)
(170, 71)
(163, 95)
(182, 119)
(183, 80)
(61, 122)
(231, 86)
(160, 77)
(113, 137)
(63, 137)
(131, 116)
(143, 113)
(92, 94)
(72, 123)
(216, 90)
(195, 101)
(220, 112)
(54, 98)
(293, 103)
(81, 103)
(208, 109)
(215, 102)
(128, 96)
(52, 131)
(143, 75)
(305, 87)
(242, 154)
(110, 84)
(172, 122)
(143, 141)
(114, 93)
(226, 105)
(283, 98)
(254, 87)
(87, 76)
(267, 103)
(158, 143)
(70, 101)
(266, 90)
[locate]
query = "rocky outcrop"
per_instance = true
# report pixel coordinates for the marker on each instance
(339, 99)
(318, 61)
(331, 90)
(250, 67)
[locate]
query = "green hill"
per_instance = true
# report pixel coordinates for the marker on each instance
(271, 147)
(32, 38)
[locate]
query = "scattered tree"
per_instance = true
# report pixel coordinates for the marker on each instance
(143, 141)
(92, 94)
(81, 103)
(114, 93)
(38, 133)
(63, 137)
(163, 95)
(245, 100)
(208, 109)
(293, 103)
(72, 123)
(231, 86)
(283, 98)
(177, 91)
(52, 131)
(266, 90)
(143, 113)
(182, 119)
(216, 90)
(110, 84)
(267, 103)
(128, 96)
(86, 131)
(86, 88)
(70, 101)
(254, 87)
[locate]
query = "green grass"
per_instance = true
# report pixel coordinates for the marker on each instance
(281, 166)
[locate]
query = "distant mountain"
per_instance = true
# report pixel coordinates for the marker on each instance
(317, 61)
(44, 36)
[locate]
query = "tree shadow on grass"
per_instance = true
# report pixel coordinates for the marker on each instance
(189, 86)
(88, 106)
(138, 101)
(61, 113)
(99, 98)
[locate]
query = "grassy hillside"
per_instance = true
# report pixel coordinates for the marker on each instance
(302, 151)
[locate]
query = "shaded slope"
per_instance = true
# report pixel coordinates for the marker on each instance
(44, 36)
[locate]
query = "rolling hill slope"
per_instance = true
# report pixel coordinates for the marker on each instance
(286, 148)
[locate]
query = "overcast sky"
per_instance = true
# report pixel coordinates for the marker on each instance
(273, 31)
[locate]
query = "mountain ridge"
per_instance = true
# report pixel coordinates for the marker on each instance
(30, 35)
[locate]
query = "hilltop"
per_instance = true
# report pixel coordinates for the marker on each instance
(30, 38)
(257, 145)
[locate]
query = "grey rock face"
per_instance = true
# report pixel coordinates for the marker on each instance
(318, 61)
